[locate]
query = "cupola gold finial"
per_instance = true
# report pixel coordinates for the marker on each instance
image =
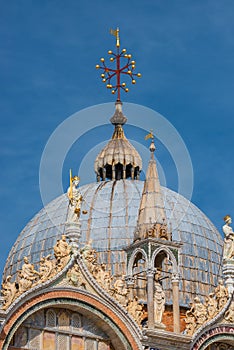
(124, 66)
(152, 147)
(150, 135)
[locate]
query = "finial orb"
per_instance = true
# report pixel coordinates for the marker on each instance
(133, 66)
(110, 52)
(102, 59)
(104, 80)
(126, 55)
(133, 81)
(129, 56)
(123, 84)
(133, 62)
(139, 75)
(97, 66)
(113, 92)
(102, 75)
(129, 72)
(112, 59)
(126, 89)
(124, 50)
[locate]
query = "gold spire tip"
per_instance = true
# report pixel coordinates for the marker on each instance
(115, 32)
(150, 135)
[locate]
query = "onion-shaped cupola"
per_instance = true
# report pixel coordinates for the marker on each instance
(118, 159)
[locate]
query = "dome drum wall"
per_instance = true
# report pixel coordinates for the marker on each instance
(112, 208)
(118, 171)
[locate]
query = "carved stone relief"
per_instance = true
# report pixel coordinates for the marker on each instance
(200, 313)
(29, 277)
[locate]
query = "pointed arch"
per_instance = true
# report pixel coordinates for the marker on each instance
(133, 258)
(169, 253)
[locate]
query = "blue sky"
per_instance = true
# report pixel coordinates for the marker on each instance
(48, 52)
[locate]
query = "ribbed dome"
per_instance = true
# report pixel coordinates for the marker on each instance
(118, 150)
(112, 217)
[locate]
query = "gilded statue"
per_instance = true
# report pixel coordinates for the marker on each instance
(8, 291)
(62, 252)
(228, 249)
(159, 301)
(75, 199)
(27, 276)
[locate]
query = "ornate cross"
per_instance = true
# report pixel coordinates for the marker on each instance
(124, 66)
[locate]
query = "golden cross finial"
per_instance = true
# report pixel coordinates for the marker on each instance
(116, 34)
(126, 68)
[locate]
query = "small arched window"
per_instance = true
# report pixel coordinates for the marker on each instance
(76, 321)
(50, 318)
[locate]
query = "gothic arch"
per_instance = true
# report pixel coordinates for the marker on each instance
(168, 252)
(133, 257)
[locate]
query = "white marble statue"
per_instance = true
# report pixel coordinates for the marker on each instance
(159, 301)
(75, 200)
(228, 250)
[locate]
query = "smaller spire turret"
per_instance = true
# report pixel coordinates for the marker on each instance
(152, 218)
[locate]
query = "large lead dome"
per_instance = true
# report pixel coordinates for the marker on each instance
(112, 217)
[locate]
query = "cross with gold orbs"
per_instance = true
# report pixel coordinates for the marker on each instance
(127, 68)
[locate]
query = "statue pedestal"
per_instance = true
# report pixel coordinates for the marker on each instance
(73, 233)
(159, 325)
(228, 273)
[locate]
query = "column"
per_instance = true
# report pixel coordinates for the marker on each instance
(228, 274)
(73, 233)
(113, 172)
(124, 172)
(132, 172)
(104, 174)
(176, 306)
(150, 297)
